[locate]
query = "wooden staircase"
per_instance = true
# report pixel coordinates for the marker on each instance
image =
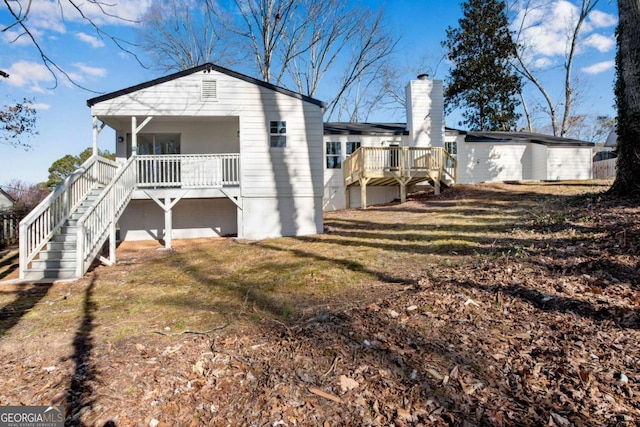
(58, 259)
(64, 234)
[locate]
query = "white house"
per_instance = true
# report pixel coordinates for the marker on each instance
(203, 152)
(210, 152)
(515, 156)
(466, 157)
(6, 201)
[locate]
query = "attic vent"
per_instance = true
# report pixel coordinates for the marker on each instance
(209, 90)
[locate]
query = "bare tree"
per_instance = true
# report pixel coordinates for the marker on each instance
(180, 34)
(19, 11)
(522, 11)
(292, 43)
(366, 62)
(274, 30)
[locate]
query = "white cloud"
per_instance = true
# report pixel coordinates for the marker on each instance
(600, 42)
(29, 74)
(544, 36)
(53, 16)
(39, 106)
(91, 71)
(16, 38)
(547, 26)
(599, 67)
(90, 40)
(599, 19)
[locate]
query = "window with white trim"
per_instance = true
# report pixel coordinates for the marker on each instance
(334, 155)
(277, 134)
(352, 146)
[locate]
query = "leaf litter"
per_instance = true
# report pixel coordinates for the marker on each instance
(534, 323)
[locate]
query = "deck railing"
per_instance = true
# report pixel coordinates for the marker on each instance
(100, 218)
(403, 161)
(37, 228)
(188, 170)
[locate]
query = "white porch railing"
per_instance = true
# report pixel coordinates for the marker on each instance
(101, 217)
(435, 162)
(187, 170)
(37, 228)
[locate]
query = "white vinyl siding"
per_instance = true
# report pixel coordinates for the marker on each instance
(569, 163)
(481, 161)
(244, 111)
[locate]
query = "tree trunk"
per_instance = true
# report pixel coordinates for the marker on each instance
(628, 99)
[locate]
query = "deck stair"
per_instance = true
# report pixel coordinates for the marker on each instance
(58, 259)
(402, 166)
(63, 235)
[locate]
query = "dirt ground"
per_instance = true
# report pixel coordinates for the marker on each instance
(489, 305)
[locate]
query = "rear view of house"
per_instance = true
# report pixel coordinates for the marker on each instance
(200, 153)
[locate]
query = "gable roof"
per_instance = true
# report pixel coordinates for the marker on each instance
(353, 128)
(207, 67)
(6, 195)
(521, 137)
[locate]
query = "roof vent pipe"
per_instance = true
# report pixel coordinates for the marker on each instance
(423, 76)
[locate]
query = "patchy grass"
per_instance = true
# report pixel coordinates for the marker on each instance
(523, 296)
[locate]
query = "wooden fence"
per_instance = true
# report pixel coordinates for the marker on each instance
(604, 169)
(9, 222)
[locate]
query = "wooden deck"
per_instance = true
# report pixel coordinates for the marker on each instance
(401, 166)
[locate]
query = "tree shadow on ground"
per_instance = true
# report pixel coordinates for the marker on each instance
(27, 296)
(80, 393)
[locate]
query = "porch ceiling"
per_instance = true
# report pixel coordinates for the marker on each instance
(120, 122)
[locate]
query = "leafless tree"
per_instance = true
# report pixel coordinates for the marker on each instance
(274, 30)
(299, 44)
(521, 11)
(19, 11)
(180, 34)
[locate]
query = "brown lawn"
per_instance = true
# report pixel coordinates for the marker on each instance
(495, 304)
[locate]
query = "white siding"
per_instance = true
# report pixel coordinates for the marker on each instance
(144, 219)
(569, 163)
(282, 216)
(266, 173)
(539, 162)
(425, 113)
(334, 192)
(481, 161)
(5, 203)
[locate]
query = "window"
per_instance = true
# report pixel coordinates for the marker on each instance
(277, 134)
(451, 147)
(334, 157)
(352, 146)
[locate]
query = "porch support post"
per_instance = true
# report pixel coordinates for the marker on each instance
(363, 192)
(347, 197)
(95, 135)
(134, 136)
(112, 243)
(168, 223)
(135, 129)
(167, 207)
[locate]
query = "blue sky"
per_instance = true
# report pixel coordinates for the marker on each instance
(64, 120)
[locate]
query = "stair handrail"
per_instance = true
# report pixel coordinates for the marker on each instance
(94, 225)
(452, 170)
(39, 226)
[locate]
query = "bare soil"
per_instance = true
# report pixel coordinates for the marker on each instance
(489, 305)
